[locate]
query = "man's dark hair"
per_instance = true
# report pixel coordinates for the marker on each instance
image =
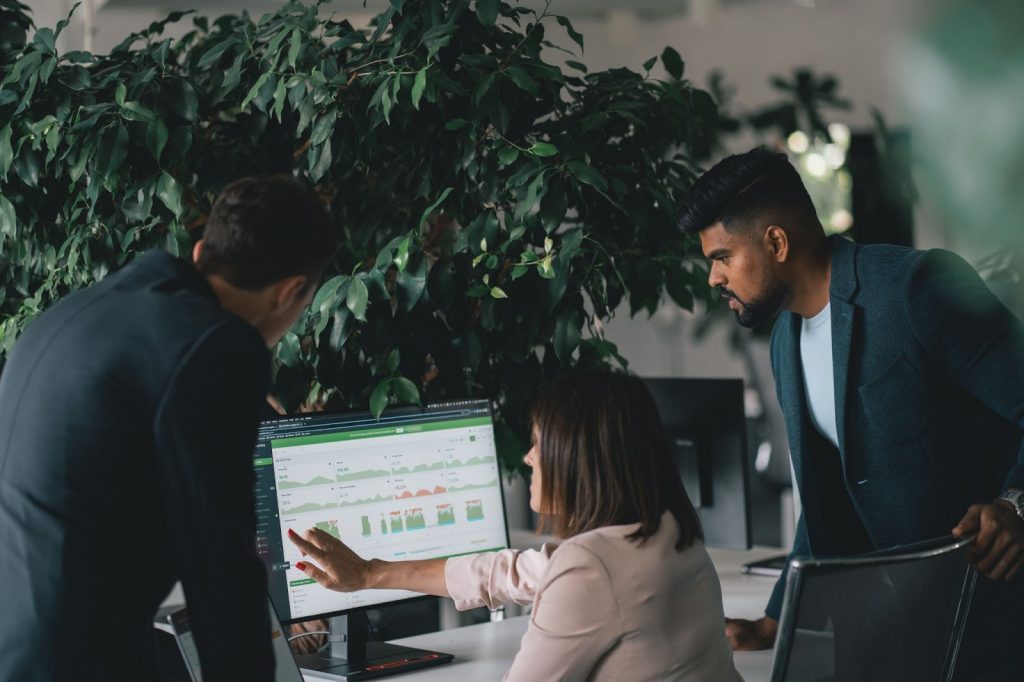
(604, 459)
(265, 228)
(748, 190)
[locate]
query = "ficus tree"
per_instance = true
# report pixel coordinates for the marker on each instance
(496, 202)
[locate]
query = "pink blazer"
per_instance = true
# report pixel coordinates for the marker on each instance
(606, 608)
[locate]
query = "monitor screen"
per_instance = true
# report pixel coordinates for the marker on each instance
(414, 484)
(705, 427)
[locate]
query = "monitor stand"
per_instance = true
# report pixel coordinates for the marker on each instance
(349, 656)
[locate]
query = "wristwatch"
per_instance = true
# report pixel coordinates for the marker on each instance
(1016, 498)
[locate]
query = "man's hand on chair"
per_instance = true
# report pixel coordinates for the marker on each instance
(751, 635)
(998, 551)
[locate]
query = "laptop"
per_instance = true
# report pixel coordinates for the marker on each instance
(287, 670)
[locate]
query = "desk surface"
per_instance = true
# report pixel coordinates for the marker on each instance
(485, 651)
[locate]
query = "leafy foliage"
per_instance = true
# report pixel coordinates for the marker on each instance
(493, 208)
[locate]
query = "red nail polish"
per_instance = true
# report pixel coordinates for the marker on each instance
(291, 532)
(301, 566)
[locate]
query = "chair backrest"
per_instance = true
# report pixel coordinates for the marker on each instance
(897, 614)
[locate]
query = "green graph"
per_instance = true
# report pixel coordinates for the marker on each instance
(445, 515)
(419, 468)
(310, 506)
(329, 527)
(472, 461)
(473, 486)
(367, 500)
(366, 526)
(346, 475)
(414, 520)
(287, 485)
(396, 522)
(474, 510)
(383, 525)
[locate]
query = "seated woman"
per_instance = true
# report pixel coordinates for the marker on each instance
(630, 593)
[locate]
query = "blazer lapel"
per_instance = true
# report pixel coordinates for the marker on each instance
(791, 395)
(842, 288)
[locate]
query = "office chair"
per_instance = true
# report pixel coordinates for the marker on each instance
(896, 614)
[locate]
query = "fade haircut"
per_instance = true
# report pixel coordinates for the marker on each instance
(264, 228)
(748, 190)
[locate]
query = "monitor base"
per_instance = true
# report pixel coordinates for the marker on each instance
(381, 659)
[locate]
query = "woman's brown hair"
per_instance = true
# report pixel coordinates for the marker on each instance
(604, 459)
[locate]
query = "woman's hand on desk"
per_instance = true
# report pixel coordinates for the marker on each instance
(340, 569)
(751, 635)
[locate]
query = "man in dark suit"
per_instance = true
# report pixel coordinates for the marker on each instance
(128, 417)
(901, 378)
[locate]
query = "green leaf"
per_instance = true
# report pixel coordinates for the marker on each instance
(134, 111)
(358, 296)
(482, 88)
(498, 292)
(295, 48)
(567, 333)
(169, 192)
(673, 62)
(571, 242)
(288, 349)
(119, 94)
(405, 391)
(392, 360)
(418, 86)
(402, 256)
(255, 89)
(573, 33)
(279, 94)
(430, 209)
(182, 98)
(8, 218)
(214, 53)
(323, 163)
(327, 291)
(379, 398)
(455, 124)
(649, 64)
(522, 79)
(156, 137)
(543, 149)
(342, 323)
(587, 174)
(112, 150)
(6, 151)
(507, 155)
(487, 11)
(519, 270)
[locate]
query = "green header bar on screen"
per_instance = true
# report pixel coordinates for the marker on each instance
(360, 434)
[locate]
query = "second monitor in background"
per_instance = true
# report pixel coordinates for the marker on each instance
(705, 425)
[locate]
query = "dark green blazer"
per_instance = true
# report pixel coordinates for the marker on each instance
(929, 388)
(128, 418)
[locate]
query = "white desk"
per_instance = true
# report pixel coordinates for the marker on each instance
(484, 652)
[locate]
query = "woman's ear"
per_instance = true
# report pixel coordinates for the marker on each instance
(778, 243)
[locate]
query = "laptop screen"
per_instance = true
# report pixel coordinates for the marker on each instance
(414, 484)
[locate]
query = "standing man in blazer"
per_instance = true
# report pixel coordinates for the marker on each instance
(128, 417)
(901, 378)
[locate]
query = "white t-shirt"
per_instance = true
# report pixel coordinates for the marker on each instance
(819, 380)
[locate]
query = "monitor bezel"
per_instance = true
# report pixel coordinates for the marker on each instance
(402, 410)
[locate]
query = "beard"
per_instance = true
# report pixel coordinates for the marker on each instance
(757, 311)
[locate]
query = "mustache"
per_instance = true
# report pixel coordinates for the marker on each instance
(726, 293)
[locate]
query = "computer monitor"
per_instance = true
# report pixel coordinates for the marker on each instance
(413, 484)
(705, 425)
